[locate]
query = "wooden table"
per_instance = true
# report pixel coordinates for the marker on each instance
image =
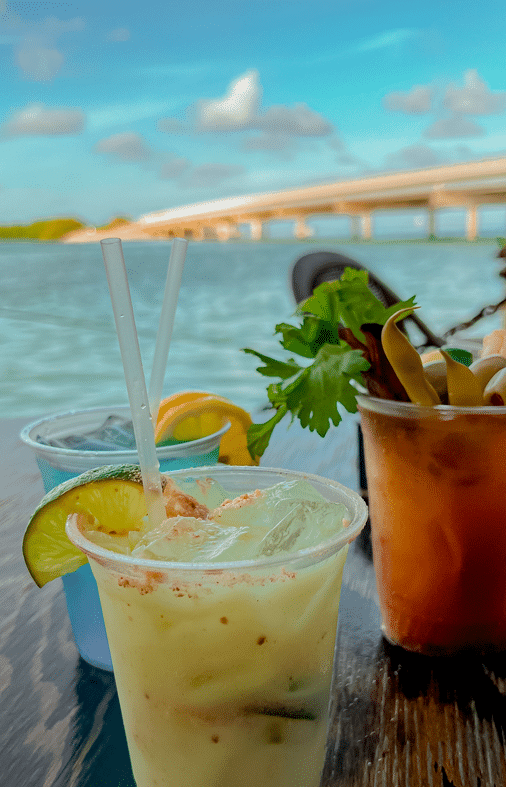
(397, 719)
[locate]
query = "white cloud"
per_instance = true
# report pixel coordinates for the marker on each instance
(38, 62)
(235, 110)
(390, 39)
(127, 146)
(416, 156)
(36, 119)
(296, 121)
(345, 157)
(417, 101)
(239, 110)
(475, 98)
(133, 148)
(453, 127)
(210, 175)
(173, 168)
(336, 143)
(281, 130)
(119, 114)
(119, 35)
(171, 126)
(37, 55)
(275, 143)
(384, 41)
(465, 153)
(348, 159)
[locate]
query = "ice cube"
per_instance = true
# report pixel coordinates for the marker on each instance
(114, 434)
(302, 525)
(285, 518)
(189, 540)
(208, 491)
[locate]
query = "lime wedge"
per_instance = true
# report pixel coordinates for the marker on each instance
(112, 497)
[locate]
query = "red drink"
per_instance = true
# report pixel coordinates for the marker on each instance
(437, 494)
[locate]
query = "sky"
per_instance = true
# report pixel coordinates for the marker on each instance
(123, 108)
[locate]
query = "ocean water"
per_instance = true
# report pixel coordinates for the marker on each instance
(58, 345)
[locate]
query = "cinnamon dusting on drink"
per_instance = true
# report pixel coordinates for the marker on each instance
(179, 503)
(239, 502)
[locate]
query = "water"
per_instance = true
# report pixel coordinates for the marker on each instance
(58, 345)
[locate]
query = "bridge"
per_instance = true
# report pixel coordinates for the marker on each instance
(469, 186)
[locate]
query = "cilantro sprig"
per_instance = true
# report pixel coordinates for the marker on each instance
(329, 370)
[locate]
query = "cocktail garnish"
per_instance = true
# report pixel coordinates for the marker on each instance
(406, 362)
(495, 390)
(380, 379)
(111, 496)
(486, 368)
(355, 343)
(331, 369)
(464, 389)
(190, 415)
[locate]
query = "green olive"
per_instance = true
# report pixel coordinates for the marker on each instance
(485, 368)
(495, 390)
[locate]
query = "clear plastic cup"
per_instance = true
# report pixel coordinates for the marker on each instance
(57, 465)
(224, 670)
(437, 496)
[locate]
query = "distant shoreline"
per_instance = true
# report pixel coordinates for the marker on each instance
(96, 237)
(72, 231)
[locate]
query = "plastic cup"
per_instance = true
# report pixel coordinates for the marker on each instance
(437, 496)
(224, 670)
(57, 465)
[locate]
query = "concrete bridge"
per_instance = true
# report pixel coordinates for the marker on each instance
(468, 186)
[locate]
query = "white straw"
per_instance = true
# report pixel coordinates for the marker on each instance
(134, 377)
(172, 286)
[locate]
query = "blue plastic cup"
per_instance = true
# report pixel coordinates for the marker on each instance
(57, 465)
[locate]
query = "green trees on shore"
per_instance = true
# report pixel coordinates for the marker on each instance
(52, 229)
(46, 230)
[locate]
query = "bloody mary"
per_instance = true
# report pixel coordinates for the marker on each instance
(437, 492)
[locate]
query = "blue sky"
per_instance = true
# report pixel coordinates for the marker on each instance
(110, 108)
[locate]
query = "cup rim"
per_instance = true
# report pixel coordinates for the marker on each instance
(308, 556)
(410, 410)
(122, 456)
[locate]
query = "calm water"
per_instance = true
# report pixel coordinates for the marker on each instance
(58, 346)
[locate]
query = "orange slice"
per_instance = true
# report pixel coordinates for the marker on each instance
(201, 415)
(179, 398)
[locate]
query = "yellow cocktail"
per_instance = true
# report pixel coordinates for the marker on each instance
(223, 664)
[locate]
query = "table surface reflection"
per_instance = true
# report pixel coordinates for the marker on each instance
(397, 719)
